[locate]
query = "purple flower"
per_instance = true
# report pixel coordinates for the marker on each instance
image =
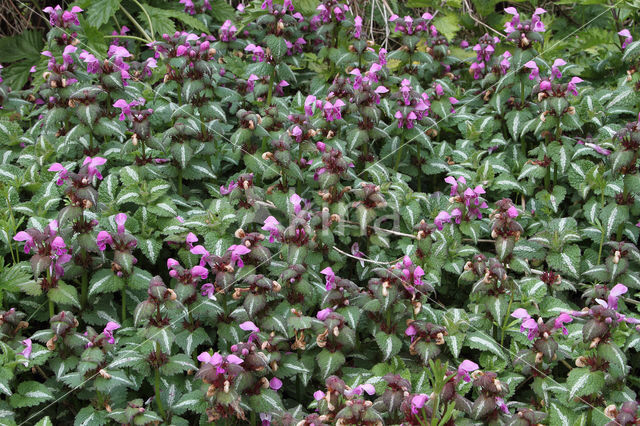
(125, 107)
(355, 251)
(120, 220)
(237, 251)
(191, 238)
(454, 183)
(92, 163)
(332, 111)
(258, 52)
(309, 102)
(477, 69)
(271, 225)
(442, 218)
(296, 201)
(103, 239)
(318, 395)
(66, 54)
(571, 86)
(360, 389)
(323, 314)
(275, 383)
(26, 352)
(510, 27)
(63, 175)
(330, 278)
(559, 322)
(512, 212)
(208, 290)
(109, 329)
(251, 82)
(627, 37)
(199, 271)
(535, 72)
(537, 24)
(528, 325)
(249, 326)
(418, 401)
(501, 405)
(465, 368)
(555, 72)
(612, 300)
(464, 44)
(227, 31)
(232, 185)
(29, 242)
(357, 26)
(504, 63)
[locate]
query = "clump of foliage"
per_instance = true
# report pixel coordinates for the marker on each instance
(281, 217)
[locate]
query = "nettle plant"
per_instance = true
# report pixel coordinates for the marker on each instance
(321, 213)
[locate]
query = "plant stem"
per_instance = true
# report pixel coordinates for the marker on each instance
(504, 323)
(124, 301)
(147, 15)
(52, 310)
(547, 177)
(134, 22)
(419, 167)
(398, 157)
(180, 182)
(272, 79)
(157, 390)
(126, 36)
(83, 290)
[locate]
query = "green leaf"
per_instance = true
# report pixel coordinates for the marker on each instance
(45, 421)
(389, 344)
(617, 359)
(277, 45)
(101, 11)
(483, 342)
(105, 281)
(64, 294)
(583, 381)
(329, 362)
(30, 394)
(612, 216)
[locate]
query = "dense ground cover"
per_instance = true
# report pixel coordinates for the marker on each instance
(320, 213)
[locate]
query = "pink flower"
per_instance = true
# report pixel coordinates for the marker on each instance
(63, 173)
(29, 242)
(109, 329)
(271, 225)
(199, 271)
(442, 218)
(357, 26)
(571, 86)
(456, 215)
(275, 383)
(232, 185)
(191, 238)
(58, 246)
(555, 72)
(26, 352)
(92, 163)
(501, 405)
(318, 395)
(238, 250)
(512, 212)
(545, 85)
(332, 111)
(464, 44)
(309, 102)
(103, 239)
(627, 37)
(66, 54)
(120, 220)
(612, 300)
(208, 290)
(233, 359)
(251, 82)
(125, 107)
(330, 277)
(454, 183)
(528, 323)
(465, 368)
(535, 72)
(418, 401)
(323, 314)
(249, 326)
(296, 200)
(562, 319)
